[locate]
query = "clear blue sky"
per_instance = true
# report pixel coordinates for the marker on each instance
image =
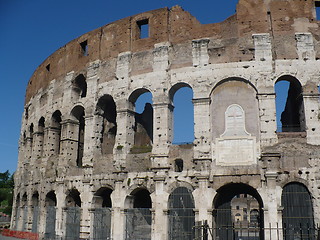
(31, 30)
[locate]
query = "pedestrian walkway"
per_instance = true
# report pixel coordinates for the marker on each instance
(8, 238)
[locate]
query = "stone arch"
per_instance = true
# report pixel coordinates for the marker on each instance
(175, 185)
(234, 90)
(181, 95)
(234, 198)
(50, 208)
(143, 122)
(35, 211)
(79, 86)
(297, 214)
(101, 226)
(106, 109)
(78, 113)
(290, 111)
(55, 131)
(73, 214)
(40, 136)
(181, 214)
(138, 214)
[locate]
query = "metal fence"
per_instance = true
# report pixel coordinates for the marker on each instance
(101, 224)
(138, 224)
(73, 216)
(50, 231)
(35, 219)
(254, 232)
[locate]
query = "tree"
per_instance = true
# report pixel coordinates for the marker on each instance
(6, 192)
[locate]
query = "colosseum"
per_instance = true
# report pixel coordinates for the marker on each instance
(92, 167)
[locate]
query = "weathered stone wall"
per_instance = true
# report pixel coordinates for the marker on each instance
(235, 63)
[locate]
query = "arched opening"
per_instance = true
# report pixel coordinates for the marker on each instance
(138, 215)
(181, 214)
(297, 215)
(56, 131)
(106, 108)
(102, 214)
(24, 218)
(231, 201)
(73, 214)
(80, 86)
(141, 101)
(78, 113)
(35, 212)
(181, 96)
(289, 105)
(50, 205)
(30, 139)
(40, 136)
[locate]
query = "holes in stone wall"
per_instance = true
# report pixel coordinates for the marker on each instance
(106, 108)
(181, 96)
(143, 26)
(84, 48)
(48, 67)
(289, 105)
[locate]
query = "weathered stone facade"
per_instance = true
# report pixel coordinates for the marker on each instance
(84, 148)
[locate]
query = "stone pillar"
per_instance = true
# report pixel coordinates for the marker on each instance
(60, 216)
(162, 132)
(86, 199)
(263, 48)
(160, 208)
(202, 134)
(125, 133)
(305, 46)
(53, 145)
(267, 116)
(271, 197)
(200, 56)
(89, 145)
(203, 197)
(42, 214)
(69, 142)
(118, 220)
(312, 117)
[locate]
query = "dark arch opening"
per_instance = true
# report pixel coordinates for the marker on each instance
(102, 198)
(181, 96)
(102, 213)
(78, 113)
(35, 212)
(41, 124)
(73, 199)
(40, 136)
(106, 108)
(141, 100)
(51, 203)
(73, 214)
(56, 131)
(80, 86)
(236, 198)
(297, 215)
(181, 214)
(289, 105)
(138, 215)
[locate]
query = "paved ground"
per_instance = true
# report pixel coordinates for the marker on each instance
(8, 238)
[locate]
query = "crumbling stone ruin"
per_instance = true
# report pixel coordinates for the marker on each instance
(91, 167)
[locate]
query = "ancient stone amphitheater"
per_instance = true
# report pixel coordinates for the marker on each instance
(91, 167)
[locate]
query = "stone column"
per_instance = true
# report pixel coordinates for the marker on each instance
(271, 197)
(162, 132)
(61, 203)
(69, 142)
(89, 145)
(160, 208)
(86, 198)
(305, 46)
(118, 221)
(267, 116)
(312, 117)
(202, 134)
(125, 133)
